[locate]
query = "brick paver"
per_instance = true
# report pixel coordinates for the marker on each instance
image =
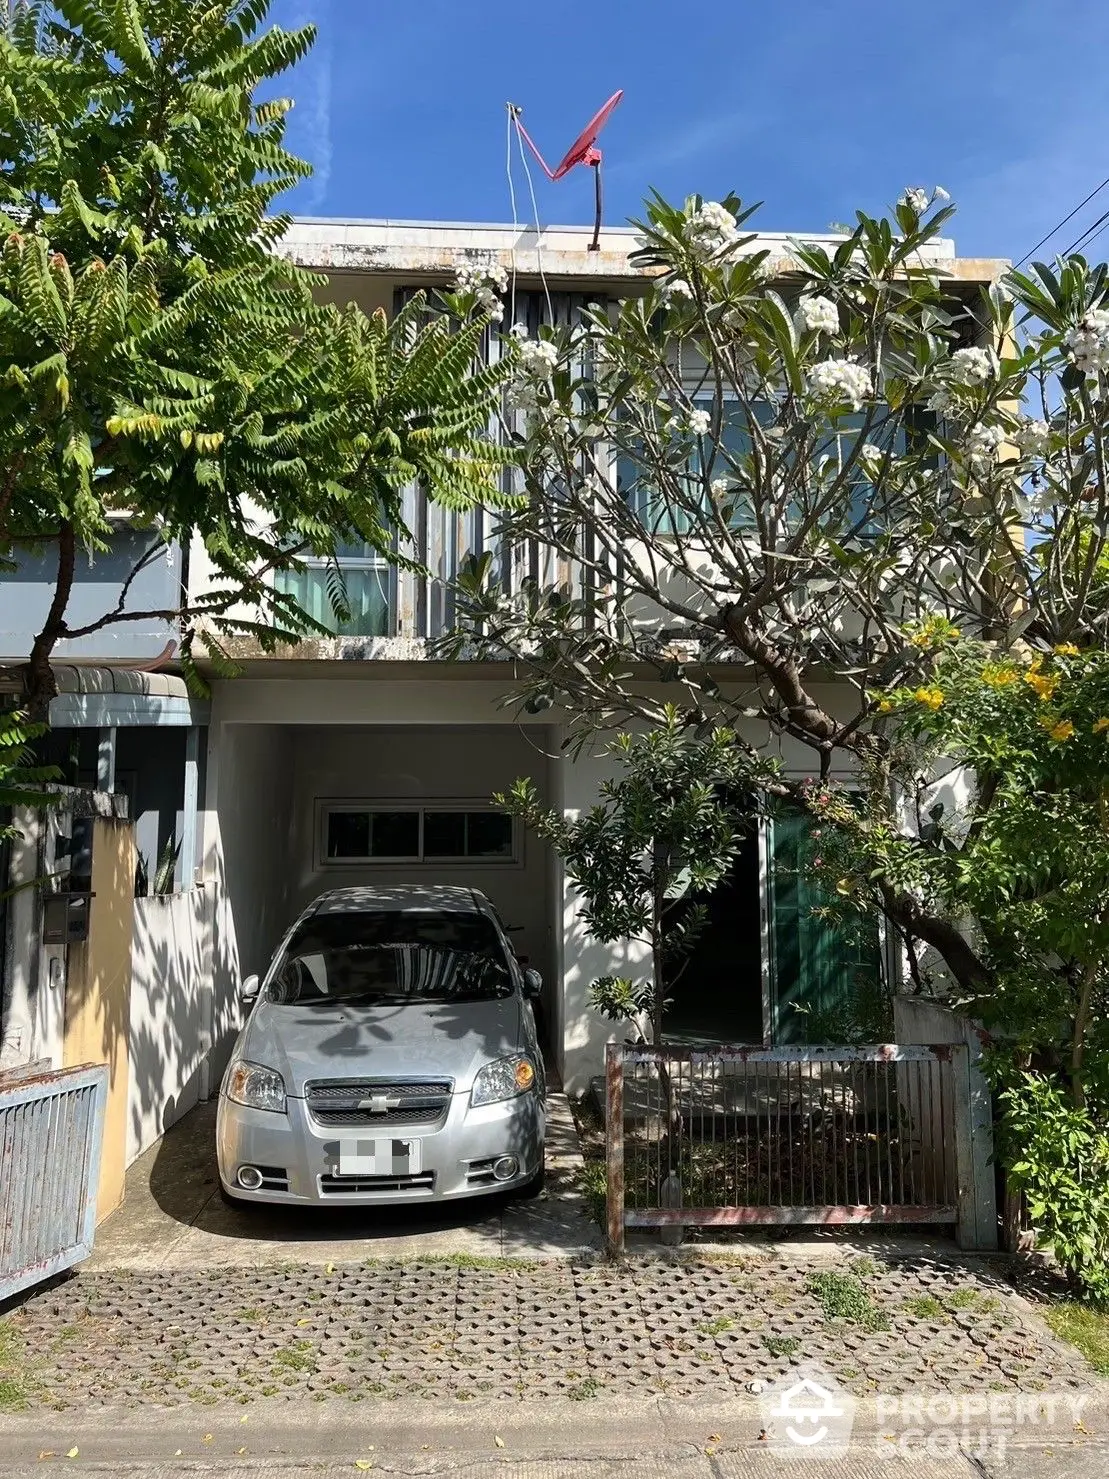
(523, 1331)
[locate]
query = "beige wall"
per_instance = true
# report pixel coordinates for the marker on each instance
(98, 988)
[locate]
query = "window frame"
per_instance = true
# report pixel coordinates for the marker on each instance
(373, 561)
(326, 806)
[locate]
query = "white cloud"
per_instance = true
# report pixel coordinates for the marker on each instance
(311, 86)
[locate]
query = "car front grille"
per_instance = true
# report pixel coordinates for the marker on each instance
(377, 1104)
(337, 1186)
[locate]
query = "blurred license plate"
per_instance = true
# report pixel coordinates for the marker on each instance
(379, 1157)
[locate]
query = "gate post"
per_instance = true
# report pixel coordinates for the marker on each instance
(966, 1227)
(614, 1145)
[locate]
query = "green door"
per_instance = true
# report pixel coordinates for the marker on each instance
(824, 976)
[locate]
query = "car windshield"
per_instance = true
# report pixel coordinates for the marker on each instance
(388, 957)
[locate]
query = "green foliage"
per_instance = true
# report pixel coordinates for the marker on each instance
(663, 836)
(159, 355)
(1058, 1154)
(843, 1297)
(1086, 1328)
(22, 783)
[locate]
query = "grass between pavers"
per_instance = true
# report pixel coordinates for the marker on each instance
(1083, 1327)
(17, 1381)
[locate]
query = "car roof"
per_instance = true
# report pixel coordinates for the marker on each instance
(403, 897)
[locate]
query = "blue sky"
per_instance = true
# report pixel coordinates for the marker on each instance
(814, 108)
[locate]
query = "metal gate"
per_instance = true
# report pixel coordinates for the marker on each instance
(730, 1137)
(51, 1128)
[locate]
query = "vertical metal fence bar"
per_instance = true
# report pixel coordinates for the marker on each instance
(614, 1135)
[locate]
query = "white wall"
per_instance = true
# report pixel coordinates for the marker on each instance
(171, 972)
(416, 764)
(33, 1008)
(248, 858)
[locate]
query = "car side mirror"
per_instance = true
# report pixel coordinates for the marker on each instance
(248, 988)
(533, 984)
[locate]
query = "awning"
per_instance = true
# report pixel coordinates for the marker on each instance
(110, 698)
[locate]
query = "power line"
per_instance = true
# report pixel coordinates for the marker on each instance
(1063, 222)
(1090, 235)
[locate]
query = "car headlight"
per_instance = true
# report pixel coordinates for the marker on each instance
(503, 1079)
(256, 1087)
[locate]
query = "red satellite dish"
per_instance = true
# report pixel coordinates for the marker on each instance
(582, 151)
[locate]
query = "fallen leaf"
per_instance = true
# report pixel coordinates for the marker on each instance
(499, 1442)
(303, 1322)
(363, 1463)
(177, 1453)
(240, 1450)
(329, 1268)
(73, 1452)
(714, 1438)
(207, 1437)
(709, 1451)
(47, 1453)
(244, 1418)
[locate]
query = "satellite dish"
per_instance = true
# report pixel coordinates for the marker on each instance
(582, 151)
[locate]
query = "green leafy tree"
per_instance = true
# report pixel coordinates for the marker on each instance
(161, 360)
(662, 837)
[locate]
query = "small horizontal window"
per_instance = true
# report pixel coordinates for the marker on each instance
(355, 833)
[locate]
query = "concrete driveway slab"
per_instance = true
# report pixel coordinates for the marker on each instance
(173, 1215)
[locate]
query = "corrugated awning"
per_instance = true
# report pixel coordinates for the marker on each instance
(105, 698)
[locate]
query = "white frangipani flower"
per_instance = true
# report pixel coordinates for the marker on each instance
(817, 315)
(916, 198)
(720, 488)
(971, 366)
(698, 422)
(487, 281)
(870, 454)
(983, 444)
(535, 359)
(841, 381)
(676, 288)
(1033, 437)
(711, 230)
(1088, 342)
(941, 402)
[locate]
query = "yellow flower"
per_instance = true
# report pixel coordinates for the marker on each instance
(886, 707)
(931, 697)
(997, 675)
(1043, 684)
(1066, 649)
(1058, 729)
(1101, 725)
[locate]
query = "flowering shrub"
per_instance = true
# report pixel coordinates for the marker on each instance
(841, 381)
(817, 315)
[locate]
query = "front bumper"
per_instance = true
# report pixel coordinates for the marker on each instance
(299, 1157)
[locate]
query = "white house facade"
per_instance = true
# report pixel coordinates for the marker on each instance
(362, 758)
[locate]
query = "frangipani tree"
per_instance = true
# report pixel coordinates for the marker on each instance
(770, 477)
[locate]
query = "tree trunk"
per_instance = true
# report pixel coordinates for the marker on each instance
(1078, 1042)
(39, 686)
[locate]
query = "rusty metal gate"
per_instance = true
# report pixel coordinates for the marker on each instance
(51, 1128)
(730, 1137)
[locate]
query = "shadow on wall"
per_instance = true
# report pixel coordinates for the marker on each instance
(177, 962)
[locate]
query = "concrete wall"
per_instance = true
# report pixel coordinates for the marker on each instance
(455, 764)
(97, 997)
(29, 589)
(172, 967)
(248, 861)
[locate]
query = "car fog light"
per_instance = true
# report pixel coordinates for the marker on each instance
(506, 1167)
(249, 1178)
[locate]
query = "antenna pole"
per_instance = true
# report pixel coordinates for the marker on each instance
(598, 195)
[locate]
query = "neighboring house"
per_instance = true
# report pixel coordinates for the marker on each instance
(360, 758)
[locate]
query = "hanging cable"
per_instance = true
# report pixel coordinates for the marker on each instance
(1090, 234)
(538, 229)
(515, 218)
(1063, 222)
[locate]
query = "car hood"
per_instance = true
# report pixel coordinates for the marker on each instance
(445, 1040)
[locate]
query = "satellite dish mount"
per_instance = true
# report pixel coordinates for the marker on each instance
(582, 151)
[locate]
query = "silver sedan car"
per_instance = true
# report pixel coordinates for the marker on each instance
(390, 1056)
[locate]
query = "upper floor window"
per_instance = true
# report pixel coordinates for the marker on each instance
(357, 832)
(367, 578)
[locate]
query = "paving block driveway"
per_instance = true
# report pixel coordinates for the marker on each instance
(525, 1330)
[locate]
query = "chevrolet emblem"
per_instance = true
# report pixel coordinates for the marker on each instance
(379, 1103)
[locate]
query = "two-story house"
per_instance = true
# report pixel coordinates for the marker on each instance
(361, 758)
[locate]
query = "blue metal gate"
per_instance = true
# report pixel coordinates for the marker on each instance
(51, 1128)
